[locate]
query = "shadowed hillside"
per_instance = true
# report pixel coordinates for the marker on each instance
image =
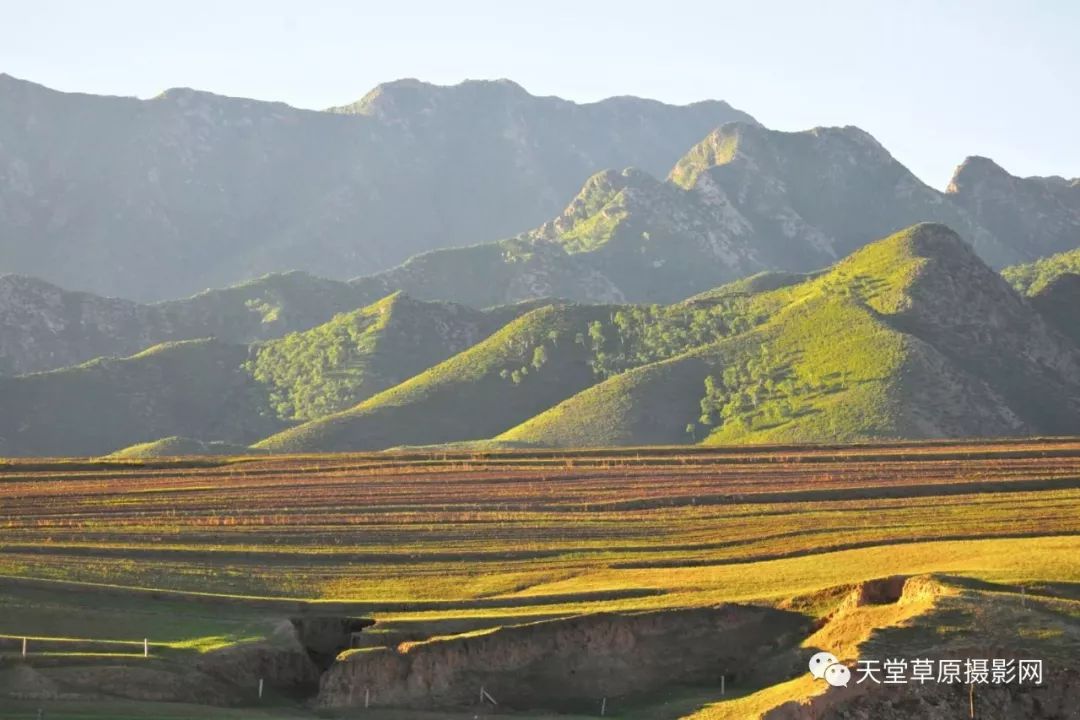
(194, 388)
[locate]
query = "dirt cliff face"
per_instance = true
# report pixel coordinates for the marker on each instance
(323, 637)
(158, 682)
(566, 664)
(288, 669)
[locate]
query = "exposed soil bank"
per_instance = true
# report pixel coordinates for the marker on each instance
(97, 682)
(567, 664)
(324, 637)
(290, 670)
(293, 660)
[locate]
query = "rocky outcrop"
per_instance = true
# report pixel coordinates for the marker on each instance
(814, 196)
(747, 199)
(566, 664)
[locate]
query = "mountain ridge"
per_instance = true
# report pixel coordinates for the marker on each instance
(158, 198)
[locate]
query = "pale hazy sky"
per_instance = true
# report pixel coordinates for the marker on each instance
(933, 81)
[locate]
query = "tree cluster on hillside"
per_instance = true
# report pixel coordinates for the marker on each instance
(317, 372)
(538, 358)
(641, 334)
(760, 391)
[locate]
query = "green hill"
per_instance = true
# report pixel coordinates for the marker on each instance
(195, 388)
(358, 354)
(177, 446)
(1033, 277)
(524, 368)
(1052, 285)
(209, 390)
(911, 337)
(44, 327)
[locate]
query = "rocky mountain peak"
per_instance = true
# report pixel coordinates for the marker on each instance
(408, 96)
(973, 170)
(1035, 216)
(595, 195)
(760, 149)
(718, 148)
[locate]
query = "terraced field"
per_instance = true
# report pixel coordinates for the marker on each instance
(202, 553)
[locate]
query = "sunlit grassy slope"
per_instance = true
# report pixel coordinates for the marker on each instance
(883, 345)
(206, 396)
(911, 336)
(177, 446)
(358, 354)
(1032, 278)
(476, 394)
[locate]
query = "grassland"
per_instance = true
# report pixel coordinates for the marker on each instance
(196, 554)
(395, 529)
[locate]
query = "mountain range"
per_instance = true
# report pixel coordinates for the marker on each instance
(746, 297)
(744, 199)
(912, 336)
(156, 199)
